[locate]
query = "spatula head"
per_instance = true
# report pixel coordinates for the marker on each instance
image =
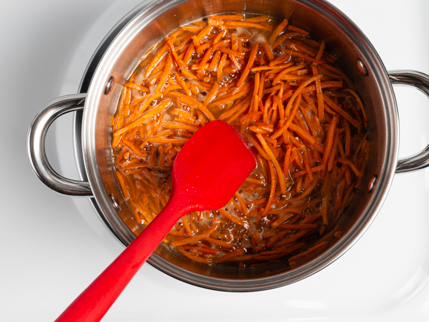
(211, 166)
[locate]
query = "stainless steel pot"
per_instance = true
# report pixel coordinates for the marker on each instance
(154, 22)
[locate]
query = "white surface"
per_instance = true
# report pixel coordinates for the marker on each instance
(53, 246)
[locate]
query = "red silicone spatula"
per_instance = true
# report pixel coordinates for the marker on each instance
(207, 172)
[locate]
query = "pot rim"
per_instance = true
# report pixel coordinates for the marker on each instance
(103, 203)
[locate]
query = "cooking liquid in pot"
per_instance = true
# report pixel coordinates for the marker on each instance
(280, 88)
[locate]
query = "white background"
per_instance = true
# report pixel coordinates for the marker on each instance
(52, 246)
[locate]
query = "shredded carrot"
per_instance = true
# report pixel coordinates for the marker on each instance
(333, 151)
(299, 112)
(235, 24)
(242, 203)
(222, 101)
(138, 87)
(312, 249)
(301, 31)
(320, 52)
(220, 243)
(212, 93)
(268, 51)
(196, 238)
(340, 111)
(272, 191)
(275, 162)
(195, 258)
(238, 17)
(329, 141)
(155, 60)
(220, 67)
(227, 256)
(351, 165)
(278, 30)
(162, 106)
(154, 139)
(233, 219)
(192, 101)
(359, 102)
(249, 65)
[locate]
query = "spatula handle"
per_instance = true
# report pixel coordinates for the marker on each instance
(93, 303)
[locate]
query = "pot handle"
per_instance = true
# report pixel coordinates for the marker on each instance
(421, 82)
(36, 146)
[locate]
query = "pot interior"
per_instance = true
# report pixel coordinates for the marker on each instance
(323, 21)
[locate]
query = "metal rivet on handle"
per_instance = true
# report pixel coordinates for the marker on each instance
(372, 183)
(109, 85)
(361, 67)
(115, 202)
